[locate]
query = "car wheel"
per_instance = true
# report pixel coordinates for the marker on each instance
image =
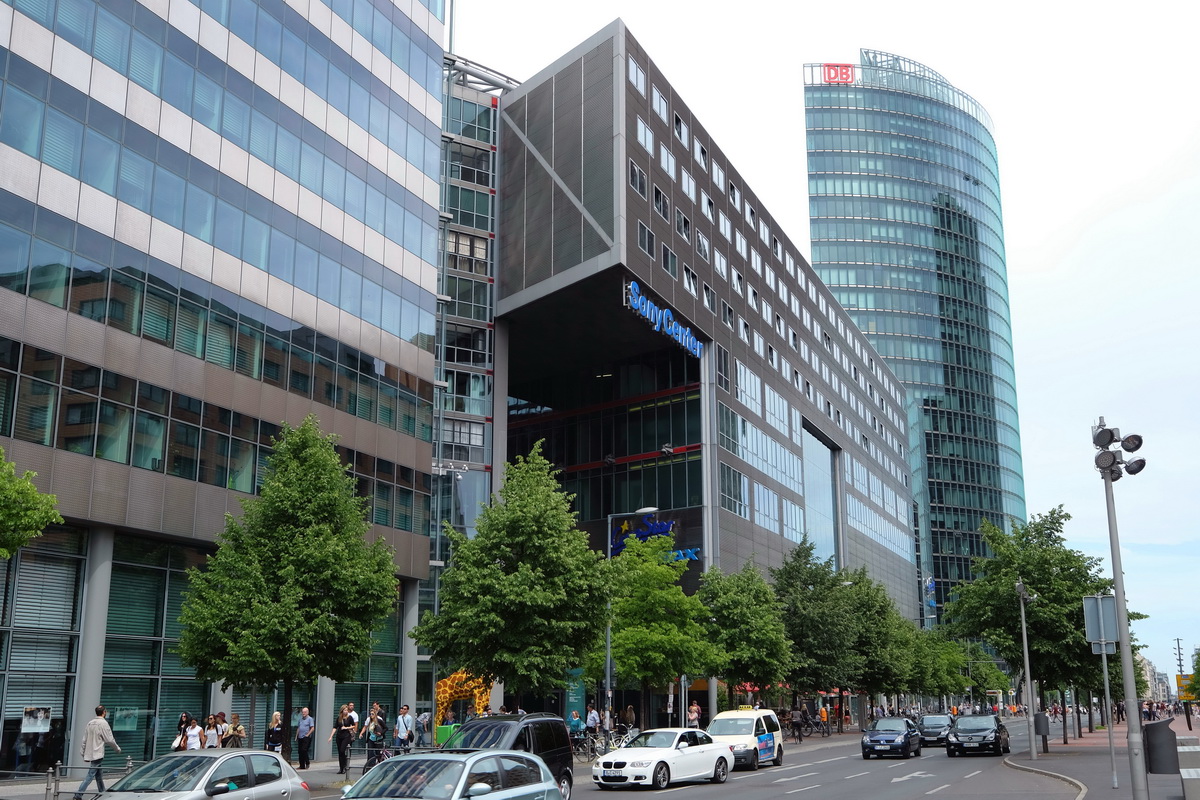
(1007, 746)
(907, 754)
(866, 756)
(779, 757)
(564, 786)
(753, 761)
(720, 771)
(662, 776)
(950, 753)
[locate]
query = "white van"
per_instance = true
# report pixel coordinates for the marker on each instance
(754, 735)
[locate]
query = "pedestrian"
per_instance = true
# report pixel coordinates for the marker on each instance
(235, 734)
(629, 717)
(274, 738)
(423, 720)
(212, 734)
(373, 731)
(304, 736)
(593, 719)
(403, 731)
(353, 714)
(193, 735)
(343, 728)
(693, 715)
(185, 719)
(96, 734)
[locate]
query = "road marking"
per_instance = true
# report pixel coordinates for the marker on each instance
(794, 777)
(855, 775)
(935, 791)
(972, 774)
(793, 766)
(805, 789)
(826, 761)
(898, 764)
(911, 775)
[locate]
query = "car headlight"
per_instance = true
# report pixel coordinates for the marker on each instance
(990, 736)
(639, 764)
(737, 748)
(950, 737)
(866, 739)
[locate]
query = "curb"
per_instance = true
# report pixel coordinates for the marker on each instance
(1083, 790)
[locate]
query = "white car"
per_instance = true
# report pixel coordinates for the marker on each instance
(662, 755)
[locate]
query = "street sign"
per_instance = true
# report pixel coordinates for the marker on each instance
(1104, 647)
(1100, 618)
(1181, 684)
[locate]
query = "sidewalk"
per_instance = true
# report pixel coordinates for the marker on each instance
(1085, 763)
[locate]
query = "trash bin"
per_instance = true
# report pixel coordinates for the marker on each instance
(1159, 741)
(1041, 724)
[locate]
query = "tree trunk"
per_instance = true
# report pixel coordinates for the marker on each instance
(286, 751)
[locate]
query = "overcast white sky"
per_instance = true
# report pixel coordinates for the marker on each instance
(1098, 129)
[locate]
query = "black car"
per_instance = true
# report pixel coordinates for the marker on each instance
(544, 735)
(891, 735)
(977, 733)
(933, 728)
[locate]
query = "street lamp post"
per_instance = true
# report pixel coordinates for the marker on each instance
(1029, 704)
(608, 659)
(1112, 465)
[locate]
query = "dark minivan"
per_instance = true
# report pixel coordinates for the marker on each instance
(544, 735)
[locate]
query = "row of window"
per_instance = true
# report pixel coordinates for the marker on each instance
(392, 32)
(69, 405)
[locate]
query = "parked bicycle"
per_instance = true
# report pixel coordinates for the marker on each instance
(375, 756)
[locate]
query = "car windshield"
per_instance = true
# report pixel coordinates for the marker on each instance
(888, 724)
(653, 739)
(430, 778)
(175, 774)
(933, 721)
(481, 733)
(980, 723)
(731, 727)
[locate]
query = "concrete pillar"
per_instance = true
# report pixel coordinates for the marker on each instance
(325, 715)
(94, 625)
(408, 647)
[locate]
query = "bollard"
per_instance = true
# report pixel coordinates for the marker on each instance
(51, 780)
(128, 764)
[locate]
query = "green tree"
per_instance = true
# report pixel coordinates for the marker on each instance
(24, 511)
(658, 630)
(820, 619)
(988, 608)
(294, 590)
(878, 634)
(745, 622)
(524, 599)
(939, 664)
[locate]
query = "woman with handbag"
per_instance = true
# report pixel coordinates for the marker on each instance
(235, 734)
(181, 726)
(275, 733)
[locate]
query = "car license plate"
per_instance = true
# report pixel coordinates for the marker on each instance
(970, 744)
(612, 773)
(881, 747)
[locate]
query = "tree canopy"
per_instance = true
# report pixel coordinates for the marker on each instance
(526, 598)
(294, 591)
(746, 624)
(24, 511)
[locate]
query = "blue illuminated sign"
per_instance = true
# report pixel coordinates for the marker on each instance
(663, 319)
(643, 529)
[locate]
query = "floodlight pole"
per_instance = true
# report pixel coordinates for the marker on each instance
(1133, 715)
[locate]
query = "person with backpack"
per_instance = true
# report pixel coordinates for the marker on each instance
(373, 731)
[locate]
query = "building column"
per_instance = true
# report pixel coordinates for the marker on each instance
(94, 624)
(324, 714)
(408, 647)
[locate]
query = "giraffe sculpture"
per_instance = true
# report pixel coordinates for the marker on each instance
(460, 686)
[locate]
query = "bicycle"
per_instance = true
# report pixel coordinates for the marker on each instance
(583, 746)
(806, 728)
(382, 754)
(826, 731)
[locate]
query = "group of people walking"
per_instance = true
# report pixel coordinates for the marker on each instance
(405, 733)
(215, 732)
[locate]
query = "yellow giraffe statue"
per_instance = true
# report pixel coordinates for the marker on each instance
(460, 686)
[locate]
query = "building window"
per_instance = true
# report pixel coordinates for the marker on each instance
(645, 136)
(764, 231)
(770, 278)
(689, 280)
(722, 368)
(751, 216)
(752, 299)
(790, 263)
(718, 177)
(720, 263)
(736, 282)
(727, 314)
(707, 207)
(681, 131)
(725, 226)
(710, 298)
(749, 388)
(777, 248)
(744, 329)
(670, 262)
(661, 204)
(637, 76)
(735, 196)
(660, 104)
(702, 248)
(766, 508)
(688, 184)
(637, 178)
(646, 239)
(759, 345)
(739, 244)
(701, 154)
(666, 160)
(683, 225)
(756, 262)
(735, 491)
(467, 253)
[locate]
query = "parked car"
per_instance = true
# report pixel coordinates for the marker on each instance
(451, 774)
(544, 735)
(203, 774)
(977, 733)
(888, 735)
(754, 734)
(933, 728)
(661, 755)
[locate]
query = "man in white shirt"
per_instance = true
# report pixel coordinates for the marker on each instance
(353, 714)
(96, 735)
(404, 731)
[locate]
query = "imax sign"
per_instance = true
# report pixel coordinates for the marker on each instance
(662, 319)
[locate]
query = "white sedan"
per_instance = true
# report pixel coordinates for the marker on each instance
(657, 757)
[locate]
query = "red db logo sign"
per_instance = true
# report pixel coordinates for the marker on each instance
(839, 73)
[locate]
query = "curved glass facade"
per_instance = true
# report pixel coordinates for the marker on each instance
(907, 233)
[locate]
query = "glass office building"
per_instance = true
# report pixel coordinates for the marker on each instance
(215, 216)
(907, 233)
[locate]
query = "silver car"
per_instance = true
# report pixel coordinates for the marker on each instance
(202, 774)
(447, 774)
